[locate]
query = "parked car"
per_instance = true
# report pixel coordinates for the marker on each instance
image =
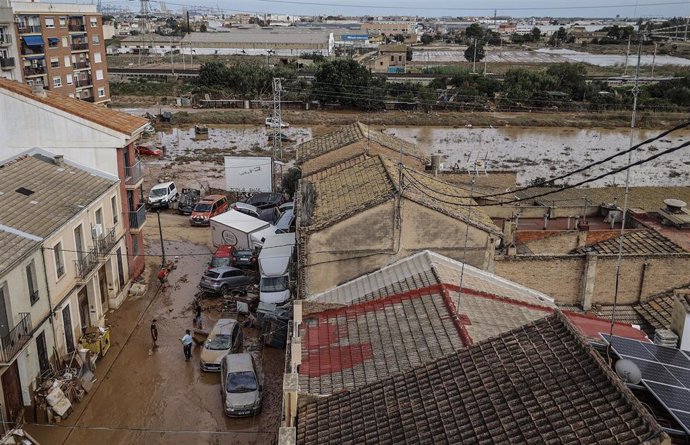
(286, 223)
(273, 123)
(286, 206)
(145, 150)
(226, 255)
(241, 388)
(161, 195)
(269, 215)
(224, 338)
(266, 200)
(207, 208)
(222, 279)
(187, 200)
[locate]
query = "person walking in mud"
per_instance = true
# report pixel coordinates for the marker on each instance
(197, 316)
(154, 333)
(187, 345)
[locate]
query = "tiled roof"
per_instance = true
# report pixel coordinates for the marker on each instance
(345, 348)
(540, 383)
(657, 310)
(54, 194)
(348, 135)
(13, 247)
(638, 242)
(114, 120)
(343, 192)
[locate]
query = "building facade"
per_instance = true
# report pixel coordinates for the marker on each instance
(61, 47)
(9, 57)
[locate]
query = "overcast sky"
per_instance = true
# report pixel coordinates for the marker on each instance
(436, 8)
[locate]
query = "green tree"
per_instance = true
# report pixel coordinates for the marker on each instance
(569, 78)
(474, 31)
(203, 27)
(213, 74)
(427, 39)
(536, 34)
(475, 56)
(347, 82)
(290, 181)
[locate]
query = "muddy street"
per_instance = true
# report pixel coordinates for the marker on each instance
(152, 396)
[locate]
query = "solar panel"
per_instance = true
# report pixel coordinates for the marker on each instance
(673, 397)
(657, 370)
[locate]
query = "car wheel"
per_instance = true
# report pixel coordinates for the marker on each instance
(224, 289)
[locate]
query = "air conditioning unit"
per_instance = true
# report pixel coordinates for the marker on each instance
(97, 231)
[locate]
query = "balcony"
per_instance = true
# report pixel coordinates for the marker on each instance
(105, 243)
(34, 71)
(5, 40)
(7, 63)
(86, 263)
(134, 175)
(137, 219)
(15, 340)
(77, 28)
(80, 47)
(29, 29)
(83, 83)
(81, 65)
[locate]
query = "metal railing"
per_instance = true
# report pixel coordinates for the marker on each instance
(5, 39)
(80, 83)
(7, 62)
(106, 242)
(81, 65)
(18, 336)
(80, 46)
(29, 29)
(77, 28)
(86, 263)
(34, 71)
(134, 173)
(138, 217)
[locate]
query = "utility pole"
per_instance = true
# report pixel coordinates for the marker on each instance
(627, 54)
(277, 122)
(474, 58)
(653, 59)
(160, 233)
(172, 58)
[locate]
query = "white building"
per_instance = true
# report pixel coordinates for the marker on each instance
(9, 55)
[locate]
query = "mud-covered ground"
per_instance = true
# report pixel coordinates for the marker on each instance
(145, 396)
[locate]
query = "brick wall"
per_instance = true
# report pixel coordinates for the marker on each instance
(549, 242)
(502, 179)
(556, 276)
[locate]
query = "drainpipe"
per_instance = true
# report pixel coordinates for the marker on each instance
(51, 316)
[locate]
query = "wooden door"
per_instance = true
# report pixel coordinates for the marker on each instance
(13, 392)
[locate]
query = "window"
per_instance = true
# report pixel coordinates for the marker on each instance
(65, 43)
(93, 21)
(57, 81)
(99, 74)
(43, 363)
(135, 246)
(31, 281)
(101, 92)
(54, 62)
(63, 22)
(113, 205)
(50, 22)
(68, 78)
(53, 42)
(392, 58)
(68, 64)
(99, 216)
(59, 260)
(97, 57)
(96, 40)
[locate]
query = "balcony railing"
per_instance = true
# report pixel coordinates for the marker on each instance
(5, 39)
(81, 65)
(13, 342)
(77, 28)
(106, 242)
(86, 263)
(137, 218)
(134, 173)
(34, 71)
(29, 29)
(7, 63)
(80, 46)
(81, 83)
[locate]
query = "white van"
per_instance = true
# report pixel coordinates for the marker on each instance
(274, 261)
(161, 195)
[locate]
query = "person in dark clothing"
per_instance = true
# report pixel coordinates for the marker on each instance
(154, 333)
(197, 315)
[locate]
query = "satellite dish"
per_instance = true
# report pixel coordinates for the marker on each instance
(628, 371)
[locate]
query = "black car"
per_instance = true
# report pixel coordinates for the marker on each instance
(187, 200)
(266, 200)
(243, 258)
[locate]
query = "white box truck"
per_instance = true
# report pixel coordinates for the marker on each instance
(275, 266)
(235, 228)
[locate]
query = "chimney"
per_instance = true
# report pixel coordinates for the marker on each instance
(38, 90)
(59, 160)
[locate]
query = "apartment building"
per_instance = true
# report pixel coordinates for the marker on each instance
(61, 47)
(63, 261)
(9, 57)
(93, 136)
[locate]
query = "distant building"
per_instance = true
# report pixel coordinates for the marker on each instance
(148, 44)
(389, 27)
(10, 64)
(61, 48)
(390, 59)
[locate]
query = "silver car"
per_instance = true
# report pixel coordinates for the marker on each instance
(241, 388)
(222, 279)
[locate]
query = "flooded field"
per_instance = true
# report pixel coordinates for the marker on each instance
(548, 152)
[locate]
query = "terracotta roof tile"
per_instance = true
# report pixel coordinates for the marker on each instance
(638, 242)
(658, 309)
(114, 120)
(540, 383)
(12, 248)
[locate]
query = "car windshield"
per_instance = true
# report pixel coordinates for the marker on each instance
(219, 343)
(211, 274)
(243, 253)
(220, 261)
(203, 207)
(158, 192)
(244, 381)
(274, 284)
